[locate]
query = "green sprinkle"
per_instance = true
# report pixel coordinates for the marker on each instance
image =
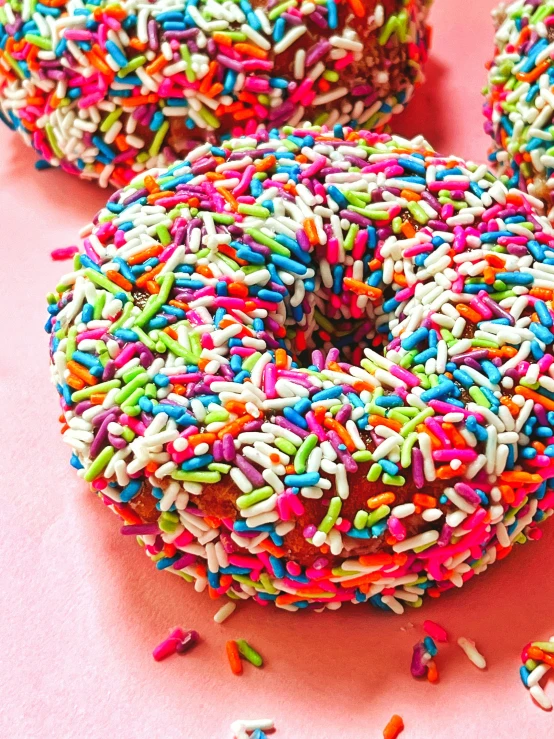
(99, 464)
(177, 349)
(335, 505)
(86, 392)
(256, 496)
(249, 653)
(377, 515)
(137, 382)
(271, 244)
(360, 520)
(102, 281)
(374, 472)
(197, 476)
(394, 480)
(362, 456)
(304, 451)
(286, 446)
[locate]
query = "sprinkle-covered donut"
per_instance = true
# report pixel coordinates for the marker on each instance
(314, 367)
(519, 106)
(108, 89)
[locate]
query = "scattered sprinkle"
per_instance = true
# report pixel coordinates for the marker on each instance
(224, 612)
(66, 252)
(473, 654)
(435, 631)
(394, 727)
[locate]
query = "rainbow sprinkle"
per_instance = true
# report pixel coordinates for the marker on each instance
(314, 367)
(520, 103)
(108, 89)
(537, 658)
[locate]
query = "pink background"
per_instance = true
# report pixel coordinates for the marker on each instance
(83, 607)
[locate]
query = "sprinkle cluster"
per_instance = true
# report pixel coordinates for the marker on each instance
(108, 89)
(520, 96)
(537, 658)
(314, 367)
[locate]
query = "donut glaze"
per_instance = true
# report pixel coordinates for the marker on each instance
(106, 90)
(314, 367)
(519, 107)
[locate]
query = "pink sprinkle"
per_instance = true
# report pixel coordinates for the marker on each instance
(435, 631)
(168, 646)
(65, 252)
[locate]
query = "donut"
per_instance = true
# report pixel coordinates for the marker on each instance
(519, 107)
(105, 90)
(314, 367)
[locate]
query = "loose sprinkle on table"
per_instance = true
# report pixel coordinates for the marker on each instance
(224, 612)
(66, 252)
(473, 654)
(394, 727)
(435, 631)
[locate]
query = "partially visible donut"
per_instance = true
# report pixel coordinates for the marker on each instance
(108, 89)
(519, 106)
(314, 367)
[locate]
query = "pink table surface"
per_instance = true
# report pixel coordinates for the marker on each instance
(82, 607)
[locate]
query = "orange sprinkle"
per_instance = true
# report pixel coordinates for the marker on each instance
(394, 727)
(383, 499)
(388, 422)
(368, 578)
(408, 230)
(171, 332)
(149, 275)
(311, 231)
(75, 382)
(118, 279)
(204, 270)
(410, 195)
(542, 293)
(235, 406)
(432, 672)
(468, 313)
(97, 398)
(529, 394)
(81, 372)
(272, 548)
(535, 73)
(142, 256)
(234, 657)
(358, 8)
(361, 288)
(152, 287)
(150, 184)
(251, 50)
(446, 472)
(525, 478)
(508, 495)
(425, 501)
(235, 427)
(376, 560)
(345, 437)
(281, 359)
(204, 438)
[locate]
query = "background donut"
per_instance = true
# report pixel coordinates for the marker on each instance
(314, 367)
(107, 90)
(519, 104)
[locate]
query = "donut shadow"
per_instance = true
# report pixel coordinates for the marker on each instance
(425, 112)
(362, 648)
(66, 193)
